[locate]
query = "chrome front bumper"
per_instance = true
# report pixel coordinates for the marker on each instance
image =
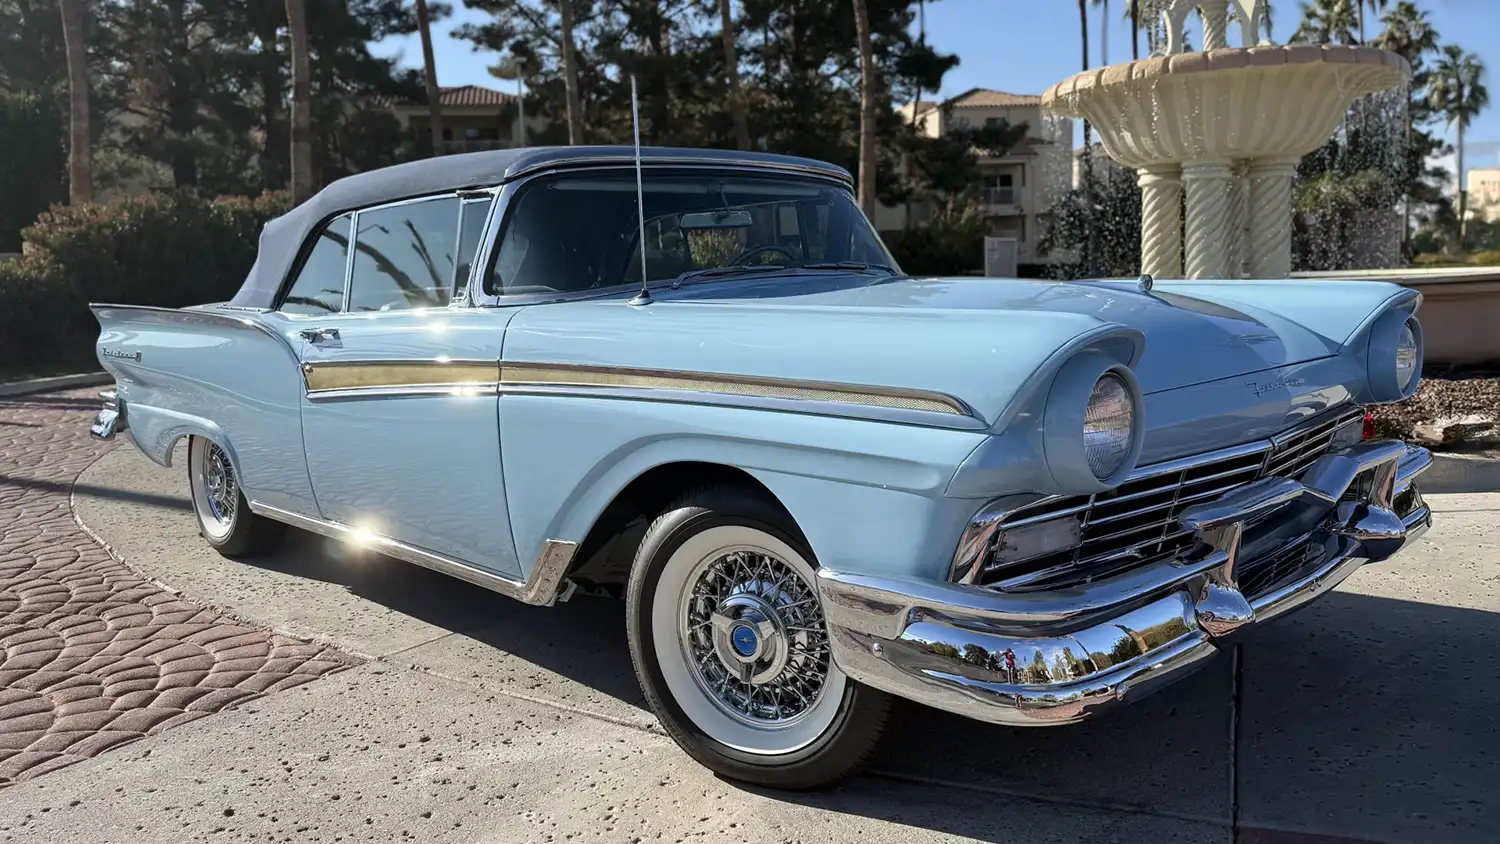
(1043, 658)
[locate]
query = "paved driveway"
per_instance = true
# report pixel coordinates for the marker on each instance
(1366, 717)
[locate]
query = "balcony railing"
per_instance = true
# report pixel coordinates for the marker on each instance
(1001, 196)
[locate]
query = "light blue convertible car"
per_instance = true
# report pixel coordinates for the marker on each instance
(819, 484)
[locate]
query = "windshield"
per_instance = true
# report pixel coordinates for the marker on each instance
(579, 232)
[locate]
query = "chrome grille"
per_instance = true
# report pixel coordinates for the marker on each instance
(1136, 523)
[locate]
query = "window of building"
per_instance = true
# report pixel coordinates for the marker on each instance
(319, 286)
(404, 256)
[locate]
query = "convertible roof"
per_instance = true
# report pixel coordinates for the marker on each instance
(284, 236)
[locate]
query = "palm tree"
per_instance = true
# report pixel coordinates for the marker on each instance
(302, 175)
(1376, 6)
(80, 153)
(732, 73)
(1135, 29)
(1458, 93)
(868, 112)
(429, 70)
(570, 74)
(1409, 34)
(1326, 22)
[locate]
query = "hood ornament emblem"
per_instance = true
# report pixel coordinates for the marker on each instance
(1145, 283)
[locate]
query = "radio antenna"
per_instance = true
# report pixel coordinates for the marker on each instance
(643, 297)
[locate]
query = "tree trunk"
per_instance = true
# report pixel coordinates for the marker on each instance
(1359, 8)
(80, 152)
(1135, 30)
(302, 174)
(1463, 195)
(732, 73)
(868, 113)
(429, 70)
(272, 164)
(570, 74)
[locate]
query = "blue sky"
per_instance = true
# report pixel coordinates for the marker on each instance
(1024, 46)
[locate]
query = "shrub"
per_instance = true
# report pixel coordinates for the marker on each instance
(951, 243)
(165, 249)
(33, 162)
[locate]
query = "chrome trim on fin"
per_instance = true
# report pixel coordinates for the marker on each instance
(543, 588)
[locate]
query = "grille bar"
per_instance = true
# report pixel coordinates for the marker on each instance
(1137, 522)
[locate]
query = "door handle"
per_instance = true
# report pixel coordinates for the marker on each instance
(318, 335)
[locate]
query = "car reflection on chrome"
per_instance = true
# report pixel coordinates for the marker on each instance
(819, 484)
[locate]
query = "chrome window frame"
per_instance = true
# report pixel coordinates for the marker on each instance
(306, 254)
(499, 216)
(464, 196)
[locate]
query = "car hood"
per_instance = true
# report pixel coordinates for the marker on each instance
(1189, 340)
(987, 342)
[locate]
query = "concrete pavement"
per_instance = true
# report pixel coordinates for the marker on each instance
(1365, 717)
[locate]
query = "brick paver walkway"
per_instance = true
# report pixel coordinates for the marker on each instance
(92, 656)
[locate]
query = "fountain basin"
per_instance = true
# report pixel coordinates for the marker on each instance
(1267, 102)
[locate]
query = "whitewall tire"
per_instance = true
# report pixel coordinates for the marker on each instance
(728, 639)
(224, 517)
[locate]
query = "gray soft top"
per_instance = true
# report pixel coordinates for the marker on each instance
(283, 237)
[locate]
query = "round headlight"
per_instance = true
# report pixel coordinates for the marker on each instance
(1108, 425)
(1406, 356)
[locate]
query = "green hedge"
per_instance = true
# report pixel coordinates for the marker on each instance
(33, 162)
(165, 249)
(950, 243)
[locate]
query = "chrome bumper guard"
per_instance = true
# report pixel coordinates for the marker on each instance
(1043, 658)
(111, 418)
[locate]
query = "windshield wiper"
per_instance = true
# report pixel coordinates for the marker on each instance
(846, 265)
(734, 269)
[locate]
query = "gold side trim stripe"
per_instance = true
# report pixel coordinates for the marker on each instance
(358, 375)
(527, 374)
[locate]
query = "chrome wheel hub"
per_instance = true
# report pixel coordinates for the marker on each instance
(219, 485)
(755, 638)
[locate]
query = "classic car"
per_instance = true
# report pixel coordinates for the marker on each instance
(820, 485)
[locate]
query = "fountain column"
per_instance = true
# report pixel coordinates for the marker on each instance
(1271, 217)
(1215, 14)
(1208, 217)
(1161, 220)
(1239, 212)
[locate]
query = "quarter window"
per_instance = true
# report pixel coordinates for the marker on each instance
(470, 231)
(319, 287)
(404, 256)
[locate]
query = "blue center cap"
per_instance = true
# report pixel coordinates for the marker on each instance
(744, 640)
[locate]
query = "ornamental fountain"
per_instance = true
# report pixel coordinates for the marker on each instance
(1227, 126)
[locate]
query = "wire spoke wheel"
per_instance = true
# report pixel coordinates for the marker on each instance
(739, 633)
(753, 632)
(216, 490)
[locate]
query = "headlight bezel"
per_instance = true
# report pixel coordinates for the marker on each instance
(1381, 357)
(1065, 415)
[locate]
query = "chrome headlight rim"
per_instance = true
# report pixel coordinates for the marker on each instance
(1065, 415)
(1385, 384)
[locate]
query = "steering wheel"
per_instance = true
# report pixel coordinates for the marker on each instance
(743, 258)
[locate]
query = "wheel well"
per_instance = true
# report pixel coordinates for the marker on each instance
(607, 552)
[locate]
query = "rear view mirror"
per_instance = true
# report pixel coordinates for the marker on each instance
(725, 219)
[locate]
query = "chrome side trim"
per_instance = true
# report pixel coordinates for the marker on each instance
(542, 588)
(356, 375)
(608, 377)
(1036, 659)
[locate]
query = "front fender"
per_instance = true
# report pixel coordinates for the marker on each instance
(869, 496)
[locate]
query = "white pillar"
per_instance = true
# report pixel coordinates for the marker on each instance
(1208, 218)
(1271, 217)
(1215, 15)
(1239, 212)
(1161, 220)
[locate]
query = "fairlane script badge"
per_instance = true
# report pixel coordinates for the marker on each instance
(1262, 389)
(115, 353)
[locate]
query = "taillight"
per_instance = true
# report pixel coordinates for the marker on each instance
(1369, 431)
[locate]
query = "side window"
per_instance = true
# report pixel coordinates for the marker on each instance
(319, 287)
(470, 231)
(404, 256)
